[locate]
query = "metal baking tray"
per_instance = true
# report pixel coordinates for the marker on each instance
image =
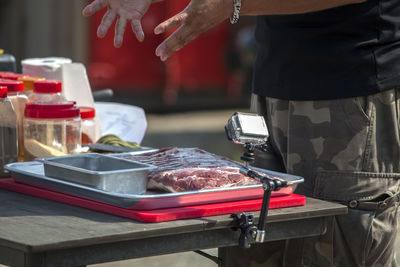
(99, 171)
(32, 173)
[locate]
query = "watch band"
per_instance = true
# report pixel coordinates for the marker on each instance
(237, 4)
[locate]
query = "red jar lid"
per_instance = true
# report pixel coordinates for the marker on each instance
(42, 110)
(13, 86)
(47, 86)
(87, 113)
(11, 75)
(6, 73)
(3, 91)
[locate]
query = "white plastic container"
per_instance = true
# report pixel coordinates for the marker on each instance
(51, 129)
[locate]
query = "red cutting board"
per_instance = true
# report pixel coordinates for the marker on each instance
(159, 215)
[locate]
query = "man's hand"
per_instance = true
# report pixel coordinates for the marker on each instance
(198, 17)
(123, 11)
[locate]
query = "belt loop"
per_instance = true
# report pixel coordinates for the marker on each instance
(365, 205)
(354, 204)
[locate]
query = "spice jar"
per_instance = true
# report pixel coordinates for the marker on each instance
(51, 129)
(8, 132)
(28, 84)
(46, 91)
(18, 101)
(88, 125)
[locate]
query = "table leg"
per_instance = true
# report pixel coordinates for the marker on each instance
(267, 254)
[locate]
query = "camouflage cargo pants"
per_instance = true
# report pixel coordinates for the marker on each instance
(348, 151)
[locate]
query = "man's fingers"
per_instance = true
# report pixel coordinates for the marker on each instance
(171, 23)
(175, 41)
(119, 31)
(137, 29)
(93, 7)
(106, 23)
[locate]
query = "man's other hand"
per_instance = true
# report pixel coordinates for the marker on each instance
(198, 17)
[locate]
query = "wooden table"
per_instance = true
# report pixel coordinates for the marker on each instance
(39, 232)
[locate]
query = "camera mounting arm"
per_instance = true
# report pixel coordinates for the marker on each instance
(250, 233)
(250, 130)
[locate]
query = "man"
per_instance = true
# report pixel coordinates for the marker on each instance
(326, 79)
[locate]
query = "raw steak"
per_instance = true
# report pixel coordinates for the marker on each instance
(188, 169)
(193, 179)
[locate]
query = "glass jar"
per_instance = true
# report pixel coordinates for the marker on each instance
(18, 101)
(51, 129)
(47, 91)
(8, 132)
(88, 125)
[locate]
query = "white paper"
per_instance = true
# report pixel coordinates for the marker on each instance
(126, 121)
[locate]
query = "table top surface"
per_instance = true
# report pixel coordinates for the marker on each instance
(31, 223)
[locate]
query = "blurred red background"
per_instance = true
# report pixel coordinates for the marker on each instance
(200, 65)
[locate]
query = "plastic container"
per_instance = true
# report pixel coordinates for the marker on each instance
(47, 91)
(88, 125)
(18, 101)
(7, 62)
(8, 132)
(28, 84)
(51, 129)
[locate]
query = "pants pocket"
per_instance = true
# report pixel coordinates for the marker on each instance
(365, 236)
(360, 186)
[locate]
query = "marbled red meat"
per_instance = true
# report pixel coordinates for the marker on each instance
(190, 169)
(193, 179)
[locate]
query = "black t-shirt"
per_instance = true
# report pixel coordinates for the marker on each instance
(347, 51)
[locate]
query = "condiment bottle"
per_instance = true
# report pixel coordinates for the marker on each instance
(88, 125)
(18, 101)
(51, 129)
(8, 132)
(46, 91)
(28, 84)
